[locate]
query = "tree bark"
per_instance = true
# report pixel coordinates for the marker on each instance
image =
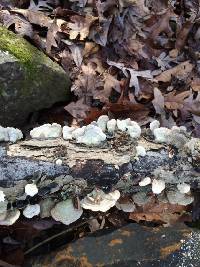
(112, 165)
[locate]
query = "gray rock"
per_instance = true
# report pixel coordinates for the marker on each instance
(29, 80)
(131, 246)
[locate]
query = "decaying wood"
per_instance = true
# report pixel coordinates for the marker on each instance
(112, 165)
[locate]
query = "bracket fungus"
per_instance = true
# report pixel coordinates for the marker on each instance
(31, 189)
(11, 217)
(176, 136)
(47, 131)
(175, 197)
(154, 125)
(158, 186)
(134, 129)
(144, 182)
(183, 188)
(31, 210)
(97, 200)
(140, 151)
(67, 132)
(93, 135)
(102, 122)
(2, 196)
(65, 212)
(111, 126)
(10, 134)
(126, 206)
(59, 162)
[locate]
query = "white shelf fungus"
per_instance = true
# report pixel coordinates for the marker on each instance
(154, 125)
(175, 197)
(175, 136)
(111, 125)
(141, 198)
(134, 129)
(97, 200)
(11, 217)
(158, 186)
(65, 212)
(10, 134)
(140, 151)
(59, 162)
(3, 209)
(93, 135)
(122, 125)
(127, 206)
(31, 210)
(2, 196)
(161, 134)
(102, 122)
(31, 189)
(78, 132)
(47, 131)
(144, 182)
(183, 188)
(67, 132)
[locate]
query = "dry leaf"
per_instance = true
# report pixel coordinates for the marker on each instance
(173, 101)
(181, 70)
(80, 26)
(78, 109)
(158, 101)
(34, 17)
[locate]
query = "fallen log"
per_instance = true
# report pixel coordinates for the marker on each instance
(113, 165)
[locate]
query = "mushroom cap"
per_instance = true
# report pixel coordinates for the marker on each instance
(31, 189)
(11, 217)
(31, 210)
(97, 200)
(2, 196)
(175, 197)
(158, 186)
(145, 181)
(140, 151)
(65, 212)
(183, 188)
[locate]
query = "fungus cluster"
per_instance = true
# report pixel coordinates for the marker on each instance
(10, 134)
(47, 131)
(176, 136)
(92, 134)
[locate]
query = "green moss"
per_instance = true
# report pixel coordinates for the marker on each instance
(20, 48)
(29, 57)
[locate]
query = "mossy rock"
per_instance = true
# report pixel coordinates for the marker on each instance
(29, 80)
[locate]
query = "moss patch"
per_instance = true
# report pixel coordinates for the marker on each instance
(21, 49)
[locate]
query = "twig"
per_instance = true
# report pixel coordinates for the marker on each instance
(55, 236)
(5, 264)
